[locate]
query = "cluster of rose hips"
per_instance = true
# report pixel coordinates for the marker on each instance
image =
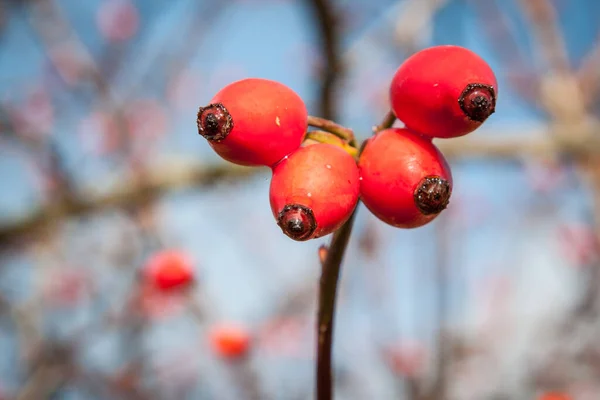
(400, 175)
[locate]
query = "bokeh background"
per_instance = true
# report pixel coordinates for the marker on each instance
(101, 166)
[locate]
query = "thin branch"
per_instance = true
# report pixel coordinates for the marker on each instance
(325, 17)
(542, 15)
(129, 192)
(488, 148)
(340, 131)
(203, 16)
(247, 379)
(588, 74)
(54, 30)
(46, 379)
(327, 137)
(326, 312)
(502, 37)
(387, 122)
(48, 158)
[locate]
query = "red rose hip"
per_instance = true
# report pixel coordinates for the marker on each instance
(405, 180)
(314, 191)
(169, 270)
(254, 122)
(230, 340)
(444, 91)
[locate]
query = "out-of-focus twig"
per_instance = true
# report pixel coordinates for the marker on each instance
(567, 140)
(327, 24)
(128, 192)
(54, 30)
(46, 379)
(56, 33)
(500, 148)
(522, 77)
(202, 16)
(542, 15)
(162, 178)
(387, 122)
(588, 74)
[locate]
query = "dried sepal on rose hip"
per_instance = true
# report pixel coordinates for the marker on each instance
(405, 181)
(169, 270)
(254, 122)
(314, 191)
(444, 91)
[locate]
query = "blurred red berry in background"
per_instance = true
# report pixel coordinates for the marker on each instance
(169, 270)
(554, 396)
(230, 340)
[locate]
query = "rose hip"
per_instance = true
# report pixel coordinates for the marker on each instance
(230, 340)
(254, 122)
(404, 179)
(169, 270)
(314, 191)
(444, 91)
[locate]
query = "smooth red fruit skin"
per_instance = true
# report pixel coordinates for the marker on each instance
(269, 122)
(426, 90)
(391, 166)
(230, 340)
(169, 270)
(322, 178)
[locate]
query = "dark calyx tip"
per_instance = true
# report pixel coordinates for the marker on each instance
(297, 222)
(478, 101)
(214, 122)
(432, 195)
